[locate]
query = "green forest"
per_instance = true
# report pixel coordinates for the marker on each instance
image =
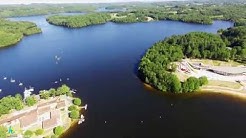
(43, 9)
(79, 20)
(158, 64)
(12, 32)
(190, 13)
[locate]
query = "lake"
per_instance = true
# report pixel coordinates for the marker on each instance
(101, 62)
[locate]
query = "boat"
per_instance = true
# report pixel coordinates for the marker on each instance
(56, 81)
(57, 58)
(5, 78)
(20, 84)
(0, 90)
(11, 80)
(81, 121)
(60, 79)
(85, 107)
(31, 89)
(28, 92)
(67, 78)
(72, 91)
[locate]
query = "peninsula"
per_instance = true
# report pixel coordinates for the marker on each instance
(12, 32)
(50, 113)
(197, 61)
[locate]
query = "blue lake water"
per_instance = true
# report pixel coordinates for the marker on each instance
(100, 62)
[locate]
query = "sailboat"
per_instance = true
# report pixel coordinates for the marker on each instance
(20, 84)
(11, 80)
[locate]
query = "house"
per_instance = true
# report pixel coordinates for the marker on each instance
(46, 115)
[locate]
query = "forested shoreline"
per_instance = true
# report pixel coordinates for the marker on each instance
(204, 14)
(158, 64)
(79, 20)
(11, 32)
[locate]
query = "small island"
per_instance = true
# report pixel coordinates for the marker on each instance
(197, 61)
(11, 32)
(48, 114)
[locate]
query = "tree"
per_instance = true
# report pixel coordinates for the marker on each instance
(58, 130)
(31, 100)
(52, 92)
(175, 84)
(3, 132)
(77, 101)
(72, 107)
(74, 114)
(19, 96)
(185, 87)
(172, 67)
(203, 80)
(28, 134)
(44, 94)
(64, 89)
(39, 132)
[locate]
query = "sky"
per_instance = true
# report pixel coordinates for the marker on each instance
(72, 1)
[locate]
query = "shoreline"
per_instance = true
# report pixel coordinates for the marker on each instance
(206, 90)
(224, 92)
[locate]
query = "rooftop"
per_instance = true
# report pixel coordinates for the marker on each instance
(29, 118)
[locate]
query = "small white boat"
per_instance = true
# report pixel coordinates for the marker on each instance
(60, 79)
(20, 84)
(81, 121)
(85, 107)
(67, 78)
(82, 116)
(72, 91)
(0, 90)
(11, 80)
(5, 78)
(56, 81)
(31, 89)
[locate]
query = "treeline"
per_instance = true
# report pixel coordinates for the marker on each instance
(241, 22)
(235, 38)
(9, 103)
(201, 14)
(79, 20)
(201, 45)
(157, 65)
(12, 32)
(204, 14)
(43, 9)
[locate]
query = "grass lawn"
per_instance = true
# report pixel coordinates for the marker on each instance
(216, 62)
(226, 84)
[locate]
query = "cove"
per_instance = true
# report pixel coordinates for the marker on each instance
(100, 62)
